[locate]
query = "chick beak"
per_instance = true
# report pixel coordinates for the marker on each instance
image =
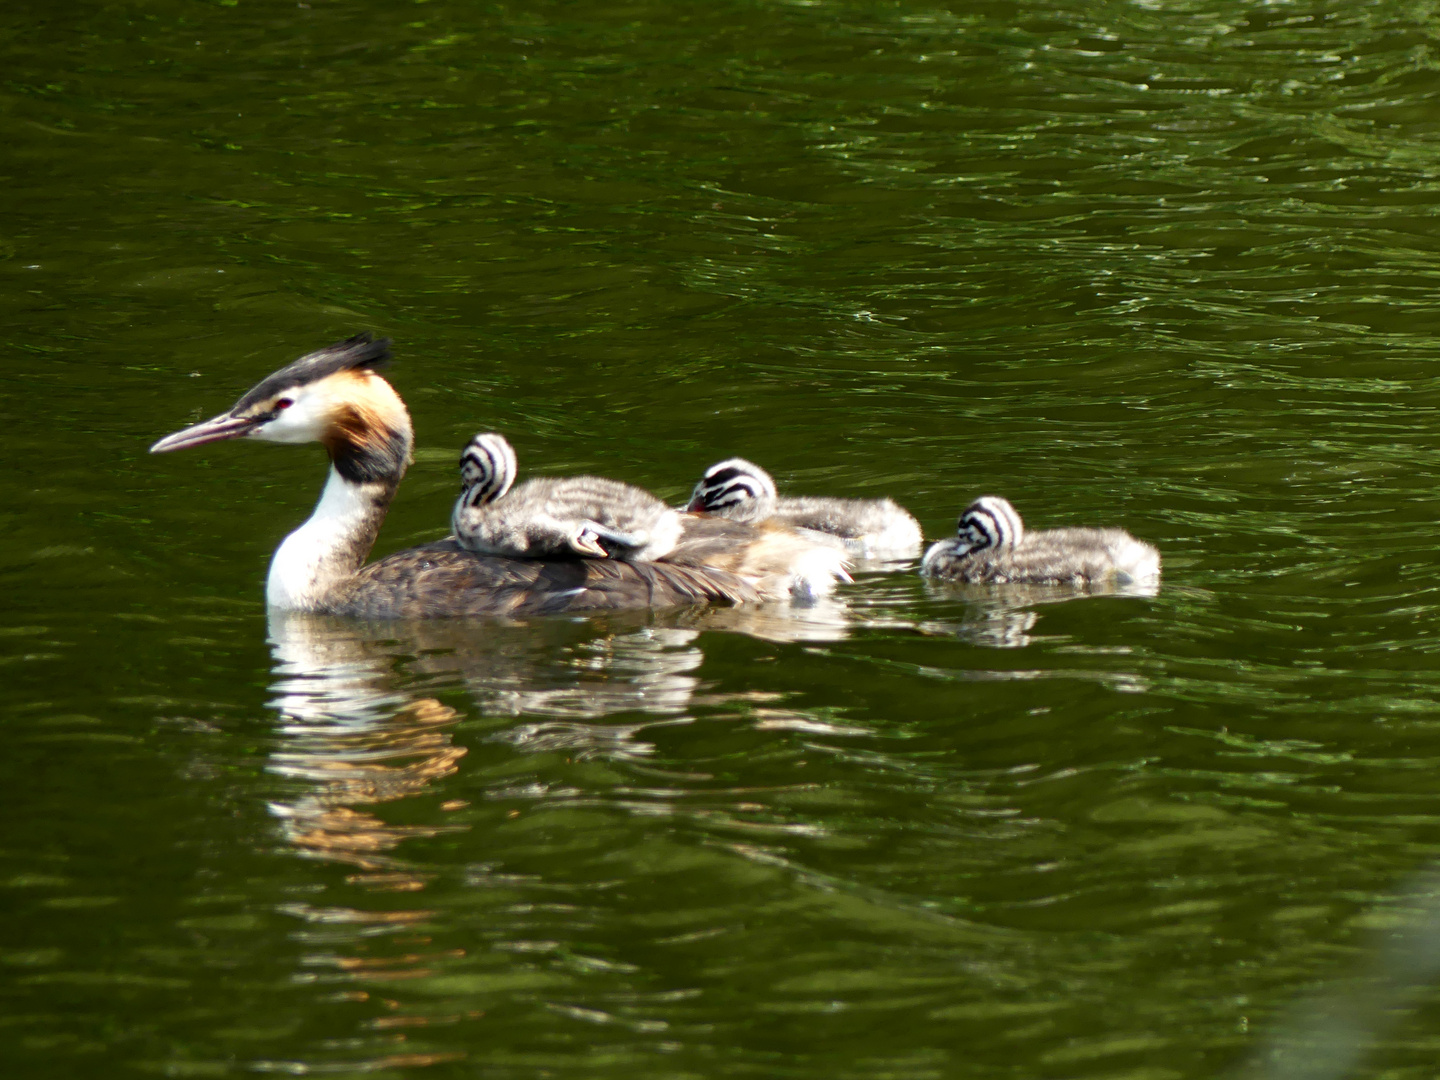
(216, 429)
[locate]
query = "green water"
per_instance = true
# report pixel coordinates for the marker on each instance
(1172, 267)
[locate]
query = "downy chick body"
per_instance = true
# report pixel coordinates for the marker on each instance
(867, 528)
(992, 547)
(555, 517)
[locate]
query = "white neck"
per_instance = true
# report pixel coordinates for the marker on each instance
(326, 551)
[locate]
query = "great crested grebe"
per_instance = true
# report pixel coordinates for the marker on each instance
(335, 397)
(993, 547)
(869, 528)
(555, 515)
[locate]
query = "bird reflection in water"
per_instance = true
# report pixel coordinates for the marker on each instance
(364, 721)
(358, 741)
(352, 730)
(357, 724)
(1001, 616)
(361, 724)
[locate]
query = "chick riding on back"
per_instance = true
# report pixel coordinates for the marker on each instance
(555, 517)
(868, 528)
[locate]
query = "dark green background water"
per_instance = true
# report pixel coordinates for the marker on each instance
(1168, 266)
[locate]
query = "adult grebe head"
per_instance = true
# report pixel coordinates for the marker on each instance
(331, 396)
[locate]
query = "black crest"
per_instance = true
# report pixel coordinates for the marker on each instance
(361, 352)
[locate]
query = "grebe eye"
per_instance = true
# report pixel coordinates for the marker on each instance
(283, 403)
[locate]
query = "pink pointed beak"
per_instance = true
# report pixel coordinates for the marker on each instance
(216, 429)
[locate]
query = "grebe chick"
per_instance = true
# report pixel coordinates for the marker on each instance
(869, 528)
(336, 397)
(555, 517)
(993, 547)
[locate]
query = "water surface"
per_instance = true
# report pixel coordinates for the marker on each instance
(1170, 267)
